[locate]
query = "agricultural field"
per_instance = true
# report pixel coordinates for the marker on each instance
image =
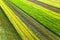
(29, 20)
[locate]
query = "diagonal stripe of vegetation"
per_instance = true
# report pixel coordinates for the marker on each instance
(55, 3)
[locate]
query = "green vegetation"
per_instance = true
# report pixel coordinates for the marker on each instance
(44, 16)
(10, 22)
(55, 3)
(7, 32)
(21, 28)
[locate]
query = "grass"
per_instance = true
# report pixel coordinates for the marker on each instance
(44, 16)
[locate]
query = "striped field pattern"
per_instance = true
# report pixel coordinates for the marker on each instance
(26, 20)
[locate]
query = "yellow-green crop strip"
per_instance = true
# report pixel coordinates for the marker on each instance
(21, 28)
(54, 3)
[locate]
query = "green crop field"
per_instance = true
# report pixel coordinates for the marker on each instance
(26, 20)
(44, 16)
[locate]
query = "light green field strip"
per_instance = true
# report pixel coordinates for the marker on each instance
(7, 30)
(55, 3)
(21, 28)
(47, 17)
